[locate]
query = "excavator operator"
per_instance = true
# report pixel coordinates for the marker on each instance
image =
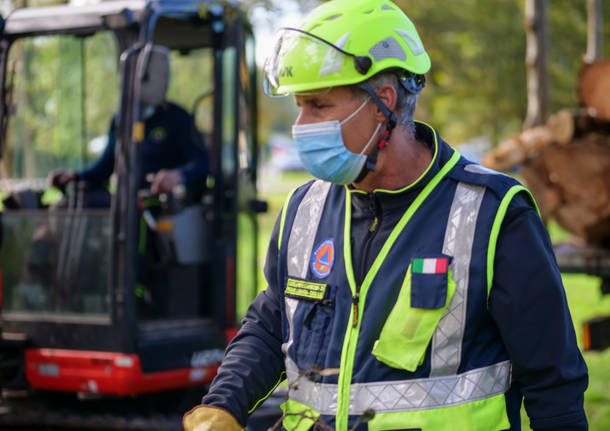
(172, 149)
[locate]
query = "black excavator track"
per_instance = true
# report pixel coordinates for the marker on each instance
(52, 411)
(43, 411)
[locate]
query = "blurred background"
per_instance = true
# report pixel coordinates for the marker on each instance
(476, 97)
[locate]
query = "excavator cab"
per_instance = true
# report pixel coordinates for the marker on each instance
(78, 315)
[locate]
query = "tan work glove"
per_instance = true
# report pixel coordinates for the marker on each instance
(209, 418)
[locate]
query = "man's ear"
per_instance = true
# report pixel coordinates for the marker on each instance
(388, 96)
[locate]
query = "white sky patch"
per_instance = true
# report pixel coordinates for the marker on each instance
(266, 24)
(83, 2)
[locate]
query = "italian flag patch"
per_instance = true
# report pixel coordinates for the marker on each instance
(436, 265)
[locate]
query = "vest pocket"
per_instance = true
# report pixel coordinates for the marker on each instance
(312, 323)
(426, 291)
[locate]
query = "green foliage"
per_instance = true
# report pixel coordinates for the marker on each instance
(64, 92)
(568, 43)
(192, 85)
(276, 115)
(477, 83)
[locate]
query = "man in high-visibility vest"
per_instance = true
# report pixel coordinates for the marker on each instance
(409, 288)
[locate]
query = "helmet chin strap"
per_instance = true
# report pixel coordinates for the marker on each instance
(371, 159)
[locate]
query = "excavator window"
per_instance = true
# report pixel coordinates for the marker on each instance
(56, 248)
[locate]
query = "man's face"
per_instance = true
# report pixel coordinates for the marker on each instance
(337, 104)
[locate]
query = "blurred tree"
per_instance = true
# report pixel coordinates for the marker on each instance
(536, 64)
(477, 82)
(594, 31)
(64, 92)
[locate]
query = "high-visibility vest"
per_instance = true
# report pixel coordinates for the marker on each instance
(418, 349)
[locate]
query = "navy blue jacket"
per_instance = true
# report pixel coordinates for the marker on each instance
(527, 303)
(171, 142)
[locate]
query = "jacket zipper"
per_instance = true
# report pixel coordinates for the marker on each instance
(372, 233)
(350, 339)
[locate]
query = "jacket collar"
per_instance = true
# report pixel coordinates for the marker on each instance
(441, 151)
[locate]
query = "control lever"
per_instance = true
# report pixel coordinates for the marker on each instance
(149, 219)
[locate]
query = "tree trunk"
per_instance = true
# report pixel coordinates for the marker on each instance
(594, 31)
(562, 128)
(514, 151)
(594, 88)
(536, 62)
(569, 124)
(571, 183)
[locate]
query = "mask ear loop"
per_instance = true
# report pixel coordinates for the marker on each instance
(353, 114)
(368, 144)
(371, 160)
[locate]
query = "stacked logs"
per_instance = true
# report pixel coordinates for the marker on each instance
(566, 162)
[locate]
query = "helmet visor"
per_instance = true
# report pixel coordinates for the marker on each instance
(301, 64)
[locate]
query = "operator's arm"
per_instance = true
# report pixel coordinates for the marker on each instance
(528, 303)
(100, 170)
(197, 165)
(253, 364)
(194, 164)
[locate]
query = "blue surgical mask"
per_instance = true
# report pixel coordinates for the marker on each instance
(322, 152)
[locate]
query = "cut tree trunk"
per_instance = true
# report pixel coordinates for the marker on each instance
(568, 124)
(514, 151)
(594, 88)
(571, 184)
(561, 128)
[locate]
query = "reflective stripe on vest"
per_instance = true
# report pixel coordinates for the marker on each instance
(300, 245)
(404, 395)
(305, 227)
(443, 388)
(459, 237)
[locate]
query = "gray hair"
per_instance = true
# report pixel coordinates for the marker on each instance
(405, 103)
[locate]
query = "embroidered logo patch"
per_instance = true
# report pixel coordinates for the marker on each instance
(323, 258)
(158, 134)
(301, 289)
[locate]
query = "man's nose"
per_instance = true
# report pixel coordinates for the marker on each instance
(305, 117)
(300, 118)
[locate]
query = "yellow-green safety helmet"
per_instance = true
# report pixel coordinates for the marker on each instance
(344, 42)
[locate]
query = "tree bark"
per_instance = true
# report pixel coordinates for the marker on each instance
(563, 128)
(536, 62)
(569, 124)
(512, 152)
(594, 88)
(594, 31)
(571, 184)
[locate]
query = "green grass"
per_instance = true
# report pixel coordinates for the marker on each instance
(582, 291)
(274, 190)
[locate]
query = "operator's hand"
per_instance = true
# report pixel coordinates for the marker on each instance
(209, 418)
(59, 178)
(165, 181)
